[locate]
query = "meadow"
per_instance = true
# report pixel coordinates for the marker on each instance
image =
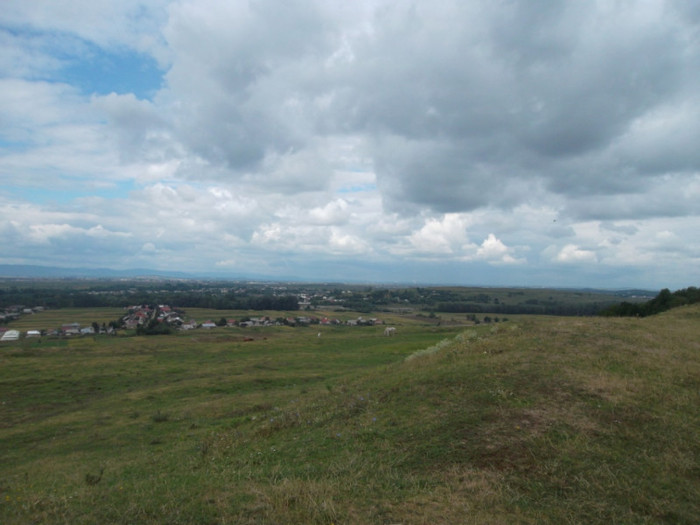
(534, 420)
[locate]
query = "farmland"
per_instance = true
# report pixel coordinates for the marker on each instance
(533, 420)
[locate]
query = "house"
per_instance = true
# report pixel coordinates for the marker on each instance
(174, 319)
(70, 329)
(33, 333)
(189, 325)
(208, 324)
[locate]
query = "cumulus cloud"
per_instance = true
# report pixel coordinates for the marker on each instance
(445, 236)
(493, 249)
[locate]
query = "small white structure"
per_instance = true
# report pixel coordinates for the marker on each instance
(389, 331)
(10, 335)
(33, 333)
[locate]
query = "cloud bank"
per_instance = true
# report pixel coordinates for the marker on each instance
(460, 142)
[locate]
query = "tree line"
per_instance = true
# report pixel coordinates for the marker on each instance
(53, 298)
(532, 307)
(665, 300)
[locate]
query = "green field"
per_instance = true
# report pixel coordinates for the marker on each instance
(51, 319)
(535, 420)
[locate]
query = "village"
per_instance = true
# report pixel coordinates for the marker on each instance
(151, 319)
(140, 316)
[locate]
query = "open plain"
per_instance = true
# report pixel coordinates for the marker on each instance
(533, 420)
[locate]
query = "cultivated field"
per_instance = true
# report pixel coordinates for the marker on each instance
(535, 420)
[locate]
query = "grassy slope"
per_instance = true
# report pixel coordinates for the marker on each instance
(532, 421)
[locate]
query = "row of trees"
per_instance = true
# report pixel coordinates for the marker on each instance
(53, 298)
(665, 300)
(530, 308)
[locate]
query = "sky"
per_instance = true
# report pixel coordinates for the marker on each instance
(468, 142)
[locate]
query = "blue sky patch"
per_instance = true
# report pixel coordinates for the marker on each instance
(101, 72)
(357, 188)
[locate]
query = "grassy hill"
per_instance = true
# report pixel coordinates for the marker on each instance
(538, 420)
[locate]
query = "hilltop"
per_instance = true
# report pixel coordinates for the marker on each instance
(537, 420)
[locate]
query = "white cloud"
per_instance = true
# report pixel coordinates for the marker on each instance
(573, 254)
(343, 243)
(335, 212)
(444, 236)
(493, 249)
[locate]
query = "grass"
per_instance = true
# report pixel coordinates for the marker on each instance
(539, 420)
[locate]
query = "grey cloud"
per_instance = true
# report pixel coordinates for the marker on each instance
(463, 104)
(626, 229)
(670, 196)
(432, 174)
(666, 140)
(585, 100)
(544, 93)
(235, 67)
(141, 132)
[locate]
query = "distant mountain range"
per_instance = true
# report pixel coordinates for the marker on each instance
(28, 271)
(48, 272)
